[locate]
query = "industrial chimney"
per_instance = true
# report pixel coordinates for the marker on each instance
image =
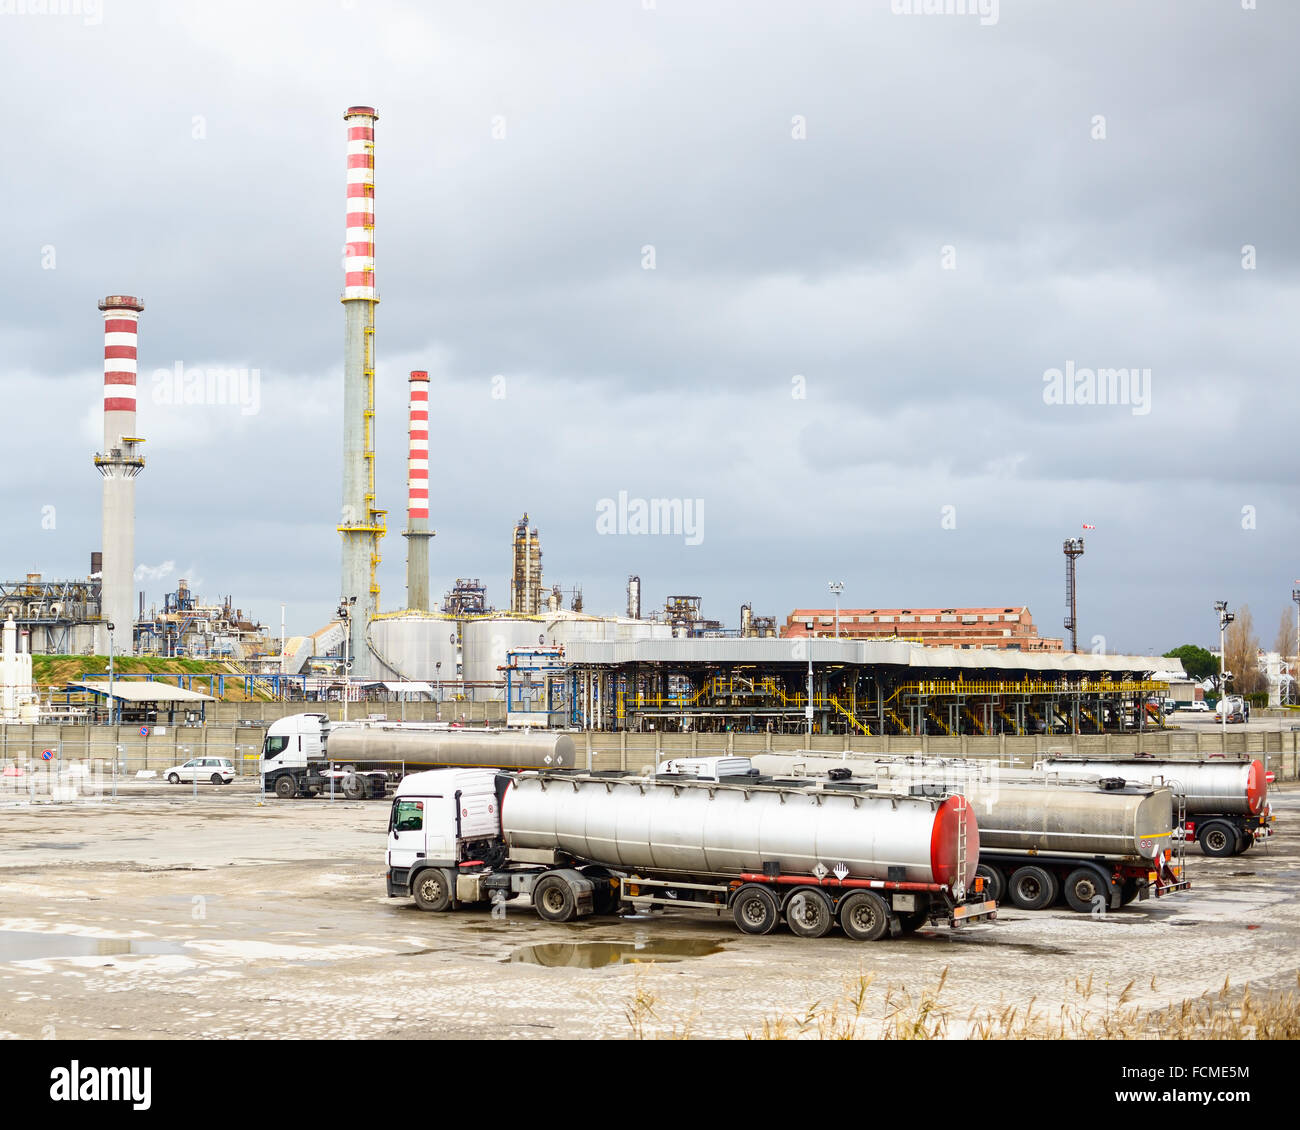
(119, 463)
(634, 597)
(363, 524)
(417, 532)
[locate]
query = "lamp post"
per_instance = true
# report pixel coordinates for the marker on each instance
(1225, 618)
(837, 587)
(437, 667)
(345, 614)
(112, 702)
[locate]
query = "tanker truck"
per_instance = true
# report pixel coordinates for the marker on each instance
(576, 843)
(1099, 845)
(1225, 803)
(307, 755)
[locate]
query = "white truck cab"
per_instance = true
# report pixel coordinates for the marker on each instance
(438, 819)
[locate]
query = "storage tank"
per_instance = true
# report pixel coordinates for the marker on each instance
(662, 828)
(486, 643)
(428, 748)
(1236, 787)
(413, 646)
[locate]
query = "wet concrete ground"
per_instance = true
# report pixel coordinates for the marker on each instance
(159, 917)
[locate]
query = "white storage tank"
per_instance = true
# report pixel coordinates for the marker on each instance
(414, 645)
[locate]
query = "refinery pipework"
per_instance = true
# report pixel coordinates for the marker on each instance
(119, 463)
(363, 523)
(417, 532)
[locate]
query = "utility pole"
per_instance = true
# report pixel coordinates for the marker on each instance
(1295, 660)
(112, 702)
(345, 615)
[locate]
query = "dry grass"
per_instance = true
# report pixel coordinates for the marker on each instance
(1086, 1014)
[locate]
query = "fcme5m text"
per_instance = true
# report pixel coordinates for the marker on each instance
(1199, 1071)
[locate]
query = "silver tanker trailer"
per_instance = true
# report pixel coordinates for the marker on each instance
(1225, 802)
(1099, 846)
(306, 754)
(811, 854)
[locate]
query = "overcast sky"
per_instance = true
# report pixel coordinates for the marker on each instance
(873, 233)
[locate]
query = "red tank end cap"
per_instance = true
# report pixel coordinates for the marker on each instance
(1256, 786)
(944, 838)
(419, 375)
(121, 302)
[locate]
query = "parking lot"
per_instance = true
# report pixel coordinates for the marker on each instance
(156, 917)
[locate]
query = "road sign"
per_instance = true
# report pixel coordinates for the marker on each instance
(46, 754)
(144, 731)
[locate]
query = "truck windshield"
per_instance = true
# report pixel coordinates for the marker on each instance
(274, 746)
(408, 815)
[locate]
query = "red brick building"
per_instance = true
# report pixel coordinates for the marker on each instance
(1009, 628)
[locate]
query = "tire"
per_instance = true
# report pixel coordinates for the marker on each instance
(215, 778)
(913, 920)
(285, 787)
(1128, 892)
(1083, 887)
(604, 893)
(173, 778)
(995, 884)
(1218, 839)
(864, 917)
(1032, 888)
(753, 909)
(354, 788)
(553, 899)
(809, 913)
(432, 889)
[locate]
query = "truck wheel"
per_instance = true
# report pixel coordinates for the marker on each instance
(1218, 839)
(604, 892)
(553, 899)
(354, 788)
(1032, 888)
(754, 910)
(995, 886)
(1083, 887)
(285, 787)
(913, 920)
(431, 889)
(864, 917)
(809, 914)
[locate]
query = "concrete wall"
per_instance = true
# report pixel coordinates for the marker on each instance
(227, 738)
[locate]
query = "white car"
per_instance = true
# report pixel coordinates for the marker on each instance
(218, 770)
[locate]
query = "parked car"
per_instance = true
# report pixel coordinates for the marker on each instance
(218, 770)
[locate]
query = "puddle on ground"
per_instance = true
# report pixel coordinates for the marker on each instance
(17, 945)
(596, 955)
(47, 846)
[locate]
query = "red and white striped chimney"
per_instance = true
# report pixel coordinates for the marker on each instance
(119, 463)
(417, 479)
(417, 531)
(359, 268)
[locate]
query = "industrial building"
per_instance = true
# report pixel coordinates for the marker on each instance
(1010, 628)
(852, 686)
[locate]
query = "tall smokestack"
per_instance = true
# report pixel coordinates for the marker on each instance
(119, 463)
(417, 532)
(363, 522)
